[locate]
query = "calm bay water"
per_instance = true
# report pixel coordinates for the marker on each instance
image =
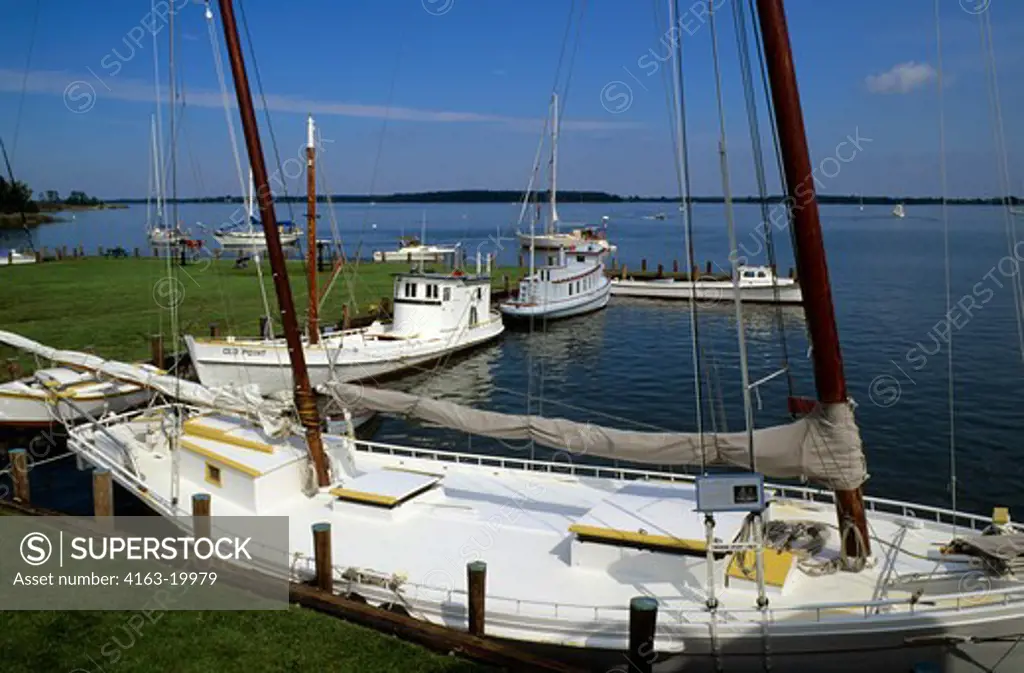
(631, 365)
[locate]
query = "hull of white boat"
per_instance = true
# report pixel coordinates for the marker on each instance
(557, 241)
(265, 363)
(17, 258)
(556, 309)
(706, 291)
(431, 256)
(515, 517)
(255, 242)
(24, 410)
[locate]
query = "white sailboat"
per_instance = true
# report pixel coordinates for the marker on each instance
(569, 280)
(899, 211)
(249, 237)
(756, 285)
(746, 578)
(552, 238)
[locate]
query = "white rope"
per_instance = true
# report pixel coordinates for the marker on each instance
(951, 387)
(730, 224)
(39, 463)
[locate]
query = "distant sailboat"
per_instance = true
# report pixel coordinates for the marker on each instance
(862, 204)
(899, 211)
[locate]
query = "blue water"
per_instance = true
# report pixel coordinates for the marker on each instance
(631, 365)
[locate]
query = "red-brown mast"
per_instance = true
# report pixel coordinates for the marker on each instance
(314, 323)
(305, 402)
(812, 268)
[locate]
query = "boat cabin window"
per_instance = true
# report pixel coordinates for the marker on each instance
(410, 289)
(447, 294)
(748, 274)
(570, 289)
(580, 258)
(213, 474)
(472, 316)
(432, 291)
(479, 293)
(551, 261)
(761, 274)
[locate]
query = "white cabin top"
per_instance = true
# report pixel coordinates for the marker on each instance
(439, 303)
(760, 275)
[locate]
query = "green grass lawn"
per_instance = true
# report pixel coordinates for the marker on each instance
(186, 642)
(112, 306)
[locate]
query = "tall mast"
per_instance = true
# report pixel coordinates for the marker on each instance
(810, 248)
(314, 327)
(553, 225)
(304, 400)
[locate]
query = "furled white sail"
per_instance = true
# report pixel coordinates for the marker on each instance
(275, 415)
(824, 447)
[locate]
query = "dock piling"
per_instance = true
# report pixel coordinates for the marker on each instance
(708, 268)
(19, 474)
(661, 271)
(322, 557)
(346, 318)
(201, 515)
(214, 330)
(265, 329)
(10, 258)
(156, 349)
(643, 616)
(476, 580)
(643, 265)
(102, 493)
(13, 368)
(675, 266)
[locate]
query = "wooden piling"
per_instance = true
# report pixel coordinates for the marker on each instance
(214, 330)
(675, 266)
(476, 581)
(661, 271)
(624, 269)
(508, 284)
(792, 272)
(643, 616)
(201, 515)
(643, 265)
(13, 368)
(136, 253)
(346, 318)
(39, 256)
(19, 474)
(81, 250)
(102, 493)
(322, 556)
(708, 268)
(156, 349)
(10, 258)
(265, 327)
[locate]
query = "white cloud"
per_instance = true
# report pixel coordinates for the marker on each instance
(901, 78)
(127, 89)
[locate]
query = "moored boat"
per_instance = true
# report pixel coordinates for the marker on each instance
(756, 284)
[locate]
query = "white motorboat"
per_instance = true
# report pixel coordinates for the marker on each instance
(757, 284)
(434, 315)
(249, 237)
(569, 284)
(64, 395)
(412, 250)
(14, 257)
(899, 211)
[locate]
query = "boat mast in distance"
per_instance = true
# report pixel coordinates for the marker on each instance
(305, 402)
(812, 268)
(311, 247)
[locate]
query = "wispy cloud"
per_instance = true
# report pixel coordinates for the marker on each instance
(59, 83)
(901, 78)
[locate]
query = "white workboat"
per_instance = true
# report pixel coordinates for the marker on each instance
(562, 286)
(757, 285)
(434, 315)
(412, 250)
(63, 395)
(14, 257)
(899, 211)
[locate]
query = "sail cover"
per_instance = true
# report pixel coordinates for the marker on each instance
(274, 415)
(823, 447)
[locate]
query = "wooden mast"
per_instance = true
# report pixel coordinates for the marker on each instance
(305, 402)
(311, 248)
(812, 268)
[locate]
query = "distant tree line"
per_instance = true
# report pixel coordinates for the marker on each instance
(512, 196)
(16, 197)
(51, 197)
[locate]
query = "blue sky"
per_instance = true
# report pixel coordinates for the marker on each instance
(449, 94)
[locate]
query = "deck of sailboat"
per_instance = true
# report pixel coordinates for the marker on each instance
(464, 508)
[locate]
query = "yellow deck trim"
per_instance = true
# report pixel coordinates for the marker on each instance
(625, 536)
(362, 496)
(412, 471)
(777, 565)
(216, 457)
(196, 429)
(1000, 516)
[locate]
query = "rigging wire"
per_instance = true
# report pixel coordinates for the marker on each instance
(951, 383)
(999, 137)
(748, 412)
(753, 122)
(682, 167)
(24, 78)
